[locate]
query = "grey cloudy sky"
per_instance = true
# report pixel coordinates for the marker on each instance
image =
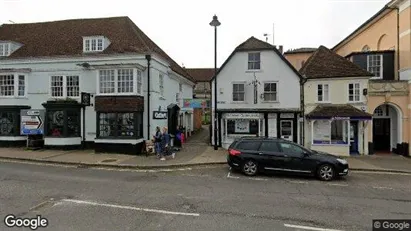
(181, 27)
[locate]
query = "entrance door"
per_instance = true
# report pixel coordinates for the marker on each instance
(286, 130)
(354, 137)
(381, 134)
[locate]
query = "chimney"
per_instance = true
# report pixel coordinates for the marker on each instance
(280, 49)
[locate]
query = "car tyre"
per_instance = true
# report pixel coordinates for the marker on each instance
(250, 168)
(326, 172)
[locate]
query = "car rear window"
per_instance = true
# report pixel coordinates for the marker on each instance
(233, 144)
(249, 145)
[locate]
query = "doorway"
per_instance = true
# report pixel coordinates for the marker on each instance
(381, 134)
(286, 129)
(354, 137)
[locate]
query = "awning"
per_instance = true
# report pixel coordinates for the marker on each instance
(338, 112)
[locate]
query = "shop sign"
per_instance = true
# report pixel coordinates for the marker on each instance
(159, 115)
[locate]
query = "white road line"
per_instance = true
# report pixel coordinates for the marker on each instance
(335, 184)
(130, 208)
(309, 228)
(229, 176)
(297, 182)
(378, 187)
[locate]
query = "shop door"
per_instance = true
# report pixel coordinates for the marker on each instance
(286, 130)
(381, 134)
(354, 137)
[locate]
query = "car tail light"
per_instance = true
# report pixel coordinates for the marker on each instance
(234, 152)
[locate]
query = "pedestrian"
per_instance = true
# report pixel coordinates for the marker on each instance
(157, 141)
(165, 145)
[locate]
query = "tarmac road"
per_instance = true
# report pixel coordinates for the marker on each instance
(211, 198)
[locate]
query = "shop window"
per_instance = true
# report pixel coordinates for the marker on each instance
(330, 132)
(7, 123)
(242, 126)
(119, 125)
(63, 122)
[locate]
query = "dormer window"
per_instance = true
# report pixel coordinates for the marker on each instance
(4, 49)
(95, 44)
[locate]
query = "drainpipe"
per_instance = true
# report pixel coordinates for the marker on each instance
(302, 82)
(148, 57)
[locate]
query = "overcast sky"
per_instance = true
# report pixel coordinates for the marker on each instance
(181, 27)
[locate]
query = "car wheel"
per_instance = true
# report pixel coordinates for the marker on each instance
(326, 172)
(250, 168)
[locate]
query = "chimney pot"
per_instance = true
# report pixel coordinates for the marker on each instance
(281, 49)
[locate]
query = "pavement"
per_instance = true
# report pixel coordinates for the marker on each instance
(201, 198)
(195, 152)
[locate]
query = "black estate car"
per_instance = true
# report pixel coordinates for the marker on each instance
(260, 154)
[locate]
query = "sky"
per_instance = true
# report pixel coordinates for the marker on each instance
(181, 27)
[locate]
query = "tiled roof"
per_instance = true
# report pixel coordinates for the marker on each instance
(65, 38)
(301, 50)
(201, 74)
(325, 63)
(337, 110)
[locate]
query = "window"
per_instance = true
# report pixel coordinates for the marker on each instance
(93, 44)
(120, 125)
(242, 126)
(238, 92)
(161, 84)
(269, 146)
(375, 65)
(4, 49)
(12, 85)
(120, 81)
(322, 93)
(354, 92)
(330, 132)
(270, 91)
(254, 61)
(139, 82)
(291, 149)
(65, 86)
(63, 122)
(378, 111)
(7, 123)
(249, 145)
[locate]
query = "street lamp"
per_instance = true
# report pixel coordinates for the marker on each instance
(215, 23)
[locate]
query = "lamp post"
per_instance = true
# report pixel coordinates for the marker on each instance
(215, 23)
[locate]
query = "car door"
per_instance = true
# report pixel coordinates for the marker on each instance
(249, 149)
(271, 156)
(294, 158)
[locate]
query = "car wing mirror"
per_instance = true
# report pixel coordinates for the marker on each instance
(305, 153)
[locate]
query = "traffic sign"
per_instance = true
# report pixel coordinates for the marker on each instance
(32, 122)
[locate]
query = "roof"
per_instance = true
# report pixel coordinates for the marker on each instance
(369, 52)
(338, 110)
(65, 38)
(300, 50)
(254, 44)
(325, 63)
(201, 74)
(375, 16)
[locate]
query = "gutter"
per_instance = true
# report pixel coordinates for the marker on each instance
(148, 58)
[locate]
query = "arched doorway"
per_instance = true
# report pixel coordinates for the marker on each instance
(387, 128)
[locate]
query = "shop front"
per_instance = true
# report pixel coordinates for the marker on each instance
(338, 130)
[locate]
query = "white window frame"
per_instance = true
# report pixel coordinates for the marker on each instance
(276, 92)
(93, 40)
(381, 65)
(65, 92)
(16, 85)
(323, 94)
(139, 82)
(5, 52)
(232, 92)
(253, 61)
(359, 92)
(116, 82)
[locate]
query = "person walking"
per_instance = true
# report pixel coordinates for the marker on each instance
(165, 145)
(157, 141)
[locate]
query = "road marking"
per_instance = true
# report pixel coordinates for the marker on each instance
(297, 181)
(378, 187)
(130, 208)
(194, 175)
(335, 184)
(309, 228)
(383, 173)
(229, 175)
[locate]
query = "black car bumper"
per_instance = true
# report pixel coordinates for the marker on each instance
(234, 162)
(342, 169)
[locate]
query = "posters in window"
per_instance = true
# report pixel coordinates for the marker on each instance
(242, 126)
(322, 132)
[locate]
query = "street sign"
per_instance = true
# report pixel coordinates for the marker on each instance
(32, 122)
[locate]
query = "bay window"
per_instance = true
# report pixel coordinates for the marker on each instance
(120, 125)
(330, 131)
(63, 122)
(120, 81)
(13, 85)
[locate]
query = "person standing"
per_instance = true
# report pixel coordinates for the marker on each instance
(165, 145)
(157, 141)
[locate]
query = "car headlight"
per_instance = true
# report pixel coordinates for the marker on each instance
(342, 161)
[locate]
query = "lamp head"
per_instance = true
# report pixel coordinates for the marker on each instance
(215, 22)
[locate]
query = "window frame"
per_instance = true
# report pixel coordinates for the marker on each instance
(328, 91)
(16, 85)
(369, 56)
(65, 111)
(65, 87)
(232, 89)
(276, 92)
(253, 62)
(89, 41)
(345, 131)
(137, 131)
(359, 92)
(116, 82)
(5, 52)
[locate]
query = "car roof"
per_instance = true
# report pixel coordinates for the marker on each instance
(258, 138)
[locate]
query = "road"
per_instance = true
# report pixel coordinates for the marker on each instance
(211, 198)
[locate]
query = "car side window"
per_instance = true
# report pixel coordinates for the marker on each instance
(291, 149)
(269, 146)
(248, 145)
